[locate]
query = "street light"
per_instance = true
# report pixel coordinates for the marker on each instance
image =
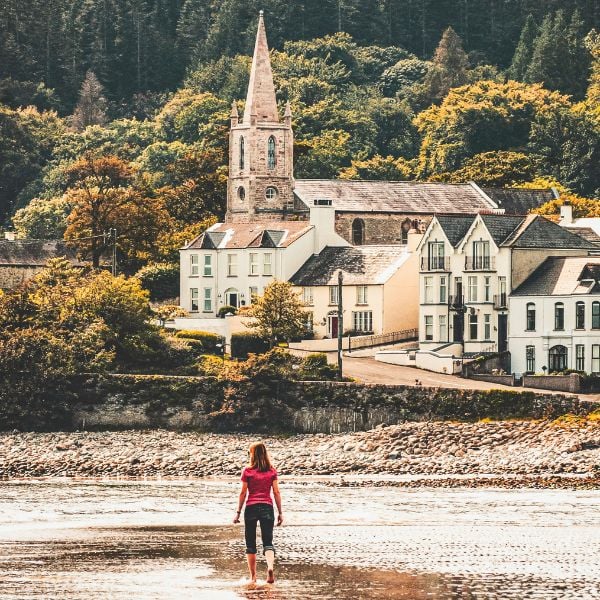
(340, 322)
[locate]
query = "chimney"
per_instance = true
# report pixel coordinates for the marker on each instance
(566, 213)
(10, 236)
(412, 239)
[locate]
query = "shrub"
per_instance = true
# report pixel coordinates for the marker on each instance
(315, 367)
(224, 310)
(160, 279)
(207, 341)
(247, 342)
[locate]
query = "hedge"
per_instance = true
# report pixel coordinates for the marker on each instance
(247, 342)
(207, 341)
(160, 279)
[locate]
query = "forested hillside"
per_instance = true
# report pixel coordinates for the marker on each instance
(114, 113)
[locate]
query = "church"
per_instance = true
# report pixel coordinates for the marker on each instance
(275, 224)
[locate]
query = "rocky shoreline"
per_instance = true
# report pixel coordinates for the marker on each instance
(563, 453)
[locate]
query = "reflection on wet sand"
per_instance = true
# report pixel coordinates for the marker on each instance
(108, 541)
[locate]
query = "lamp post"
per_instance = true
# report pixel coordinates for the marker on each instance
(340, 330)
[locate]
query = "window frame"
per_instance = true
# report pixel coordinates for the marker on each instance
(242, 151)
(559, 316)
(232, 266)
(472, 291)
(428, 289)
(194, 265)
(268, 264)
(579, 357)
(271, 153)
(473, 326)
(443, 328)
(253, 264)
(308, 296)
(596, 314)
(530, 309)
(207, 266)
(487, 288)
(358, 232)
(487, 327)
(595, 358)
(362, 296)
(362, 320)
(194, 300)
(443, 289)
(207, 298)
(333, 295)
(530, 359)
(580, 314)
(428, 328)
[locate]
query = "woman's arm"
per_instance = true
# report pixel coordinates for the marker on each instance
(241, 501)
(277, 496)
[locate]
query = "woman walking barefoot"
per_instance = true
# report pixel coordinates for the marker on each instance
(258, 479)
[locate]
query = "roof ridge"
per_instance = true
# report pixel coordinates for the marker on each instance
(519, 230)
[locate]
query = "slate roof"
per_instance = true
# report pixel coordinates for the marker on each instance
(455, 226)
(350, 195)
(501, 226)
(361, 265)
(277, 234)
(519, 201)
(34, 253)
(586, 233)
(562, 276)
(538, 232)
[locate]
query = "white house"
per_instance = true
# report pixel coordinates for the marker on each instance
(468, 267)
(555, 317)
(379, 293)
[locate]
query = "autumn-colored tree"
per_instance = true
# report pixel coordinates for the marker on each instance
(105, 193)
(495, 169)
(582, 207)
(278, 314)
(379, 168)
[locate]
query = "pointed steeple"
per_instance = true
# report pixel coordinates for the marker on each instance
(261, 104)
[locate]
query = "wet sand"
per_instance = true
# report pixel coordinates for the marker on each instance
(173, 539)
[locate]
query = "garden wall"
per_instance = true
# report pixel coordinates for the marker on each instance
(184, 403)
(558, 383)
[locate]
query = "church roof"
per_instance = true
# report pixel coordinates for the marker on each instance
(276, 234)
(261, 103)
(360, 265)
(350, 195)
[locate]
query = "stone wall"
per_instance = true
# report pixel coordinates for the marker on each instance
(183, 403)
(380, 228)
(13, 276)
(558, 383)
(500, 379)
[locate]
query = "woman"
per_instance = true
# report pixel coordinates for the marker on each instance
(258, 478)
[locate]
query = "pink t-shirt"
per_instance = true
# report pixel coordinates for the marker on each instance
(259, 485)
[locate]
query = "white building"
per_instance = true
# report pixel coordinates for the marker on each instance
(555, 317)
(468, 267)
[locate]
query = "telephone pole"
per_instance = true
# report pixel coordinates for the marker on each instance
(340, 330)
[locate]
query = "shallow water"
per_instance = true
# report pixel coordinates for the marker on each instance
(173, 539)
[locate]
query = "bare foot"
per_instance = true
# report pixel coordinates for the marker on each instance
(270, 576)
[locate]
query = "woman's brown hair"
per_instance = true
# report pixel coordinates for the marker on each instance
(259, 457)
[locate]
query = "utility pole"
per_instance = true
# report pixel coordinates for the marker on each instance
(340, 330)
(112, 232)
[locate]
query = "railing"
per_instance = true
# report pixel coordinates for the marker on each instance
(456, 302)
(501, 301)
(480, 263)
(383, 339)
(435, 263)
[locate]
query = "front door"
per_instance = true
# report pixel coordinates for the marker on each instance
(231, 298)
(458, 327)
(502, 333)
(333, 326)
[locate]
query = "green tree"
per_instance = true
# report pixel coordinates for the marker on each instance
(43, 219)
(524, 50)
(449, 67)
(278, 314)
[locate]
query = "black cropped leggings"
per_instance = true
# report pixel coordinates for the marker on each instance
(264, 514)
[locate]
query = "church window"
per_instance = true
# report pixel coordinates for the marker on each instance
(271, 193)
(241, 193)
(271, 158)
(358, 232)
(242, 154)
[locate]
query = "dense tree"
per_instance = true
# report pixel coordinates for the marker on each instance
(380, 168)
(524, 50)
(43, 219)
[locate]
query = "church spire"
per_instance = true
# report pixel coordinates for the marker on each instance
(261, 104)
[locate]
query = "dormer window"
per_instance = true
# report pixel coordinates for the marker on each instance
(242, 154)
(271, 157)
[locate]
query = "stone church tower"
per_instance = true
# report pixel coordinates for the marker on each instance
(260, 185)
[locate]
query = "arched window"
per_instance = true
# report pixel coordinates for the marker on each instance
(271, 193)
(557, 357)
(241, 193)
(580, 315)
(530, 316)
(271, 157)
(596, 315)
(559, 316)
(242, 153)
(358, 232)
(406, 227)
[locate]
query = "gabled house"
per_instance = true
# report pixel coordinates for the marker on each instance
(468, 268)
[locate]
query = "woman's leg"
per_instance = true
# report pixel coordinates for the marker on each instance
(250, 522)
(267, 522)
